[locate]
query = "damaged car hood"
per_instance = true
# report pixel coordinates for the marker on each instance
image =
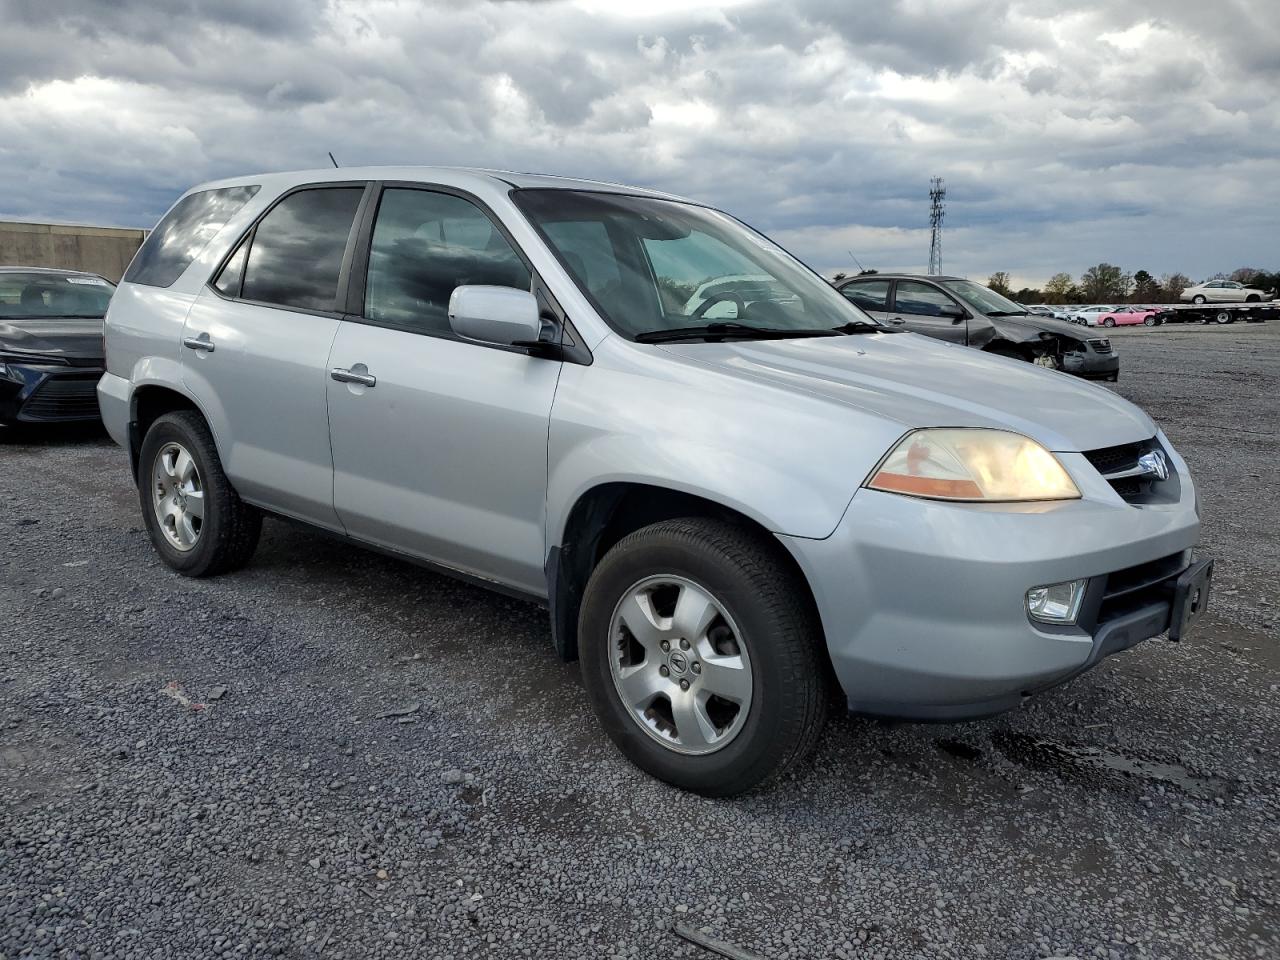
(922, 382)
(72, 339)
(984, 329)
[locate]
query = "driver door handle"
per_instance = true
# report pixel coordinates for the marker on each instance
(343, 375)
(201, 342)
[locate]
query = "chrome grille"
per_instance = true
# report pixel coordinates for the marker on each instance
(1120, 467)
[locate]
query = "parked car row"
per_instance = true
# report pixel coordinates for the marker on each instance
(967, 313)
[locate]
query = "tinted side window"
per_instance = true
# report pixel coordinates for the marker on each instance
(424, 245)
(183, 233)
(921, 299)
(228, 281)
(868, 294)
(297, 249)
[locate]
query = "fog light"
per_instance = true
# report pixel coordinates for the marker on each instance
(1057, 602)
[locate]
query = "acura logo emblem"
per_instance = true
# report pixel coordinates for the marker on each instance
(1154, 464)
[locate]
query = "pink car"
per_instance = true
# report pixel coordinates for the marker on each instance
(1120, 316)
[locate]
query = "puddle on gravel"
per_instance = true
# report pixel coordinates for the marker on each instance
(1097, 764)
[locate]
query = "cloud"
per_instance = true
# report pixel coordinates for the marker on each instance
(1145, 135)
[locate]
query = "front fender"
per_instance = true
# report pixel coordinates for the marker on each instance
(786, 459)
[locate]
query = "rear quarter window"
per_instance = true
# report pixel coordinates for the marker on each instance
(184, 232)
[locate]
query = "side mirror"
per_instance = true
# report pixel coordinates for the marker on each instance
(951, 310)
(500, 315)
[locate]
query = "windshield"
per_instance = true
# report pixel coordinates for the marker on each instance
(982, 299)
(652, 265)
(25, 296)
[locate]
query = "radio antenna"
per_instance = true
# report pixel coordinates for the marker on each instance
(331, 160)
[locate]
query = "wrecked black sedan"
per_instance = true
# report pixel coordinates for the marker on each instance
(51, 353)
(967, 313)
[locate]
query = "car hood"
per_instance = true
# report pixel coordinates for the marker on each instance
(75, 340)
(1022, 329)
(922, 382)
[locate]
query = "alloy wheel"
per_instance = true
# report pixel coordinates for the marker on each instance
(680, 665)
(177, 496)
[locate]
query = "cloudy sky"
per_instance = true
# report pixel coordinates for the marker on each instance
(1144, 133)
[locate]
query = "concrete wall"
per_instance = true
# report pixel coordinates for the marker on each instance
(102, 250)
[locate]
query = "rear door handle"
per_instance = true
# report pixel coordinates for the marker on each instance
(343, 375)
(201, 342)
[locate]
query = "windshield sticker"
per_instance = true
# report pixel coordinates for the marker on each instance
(87, 281)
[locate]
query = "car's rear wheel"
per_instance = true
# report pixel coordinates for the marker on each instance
(1148, 321)
(701, 655)
(1109, 322)
(1198, 298)
(197, 522)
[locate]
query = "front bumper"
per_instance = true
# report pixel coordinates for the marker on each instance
(35, 392)
(923, 607)
(1095, 360)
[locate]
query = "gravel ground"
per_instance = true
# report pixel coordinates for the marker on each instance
(334, 754)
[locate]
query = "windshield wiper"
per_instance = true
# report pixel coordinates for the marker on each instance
(1008, 313)
(722, 331)
(861, 326)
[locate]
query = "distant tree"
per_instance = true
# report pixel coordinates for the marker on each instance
(1216, 276)
(1105, 282)
(1059, 288)
(839, 276)
(1029, 295)
(1246, 274)
(1172, 285)
(999, 282)
(1145, 287)
(1266, 281)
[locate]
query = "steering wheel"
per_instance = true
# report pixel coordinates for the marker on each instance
(714, 298)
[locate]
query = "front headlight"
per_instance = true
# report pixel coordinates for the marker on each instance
(953, 463)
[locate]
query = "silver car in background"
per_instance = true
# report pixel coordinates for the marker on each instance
(737, 493)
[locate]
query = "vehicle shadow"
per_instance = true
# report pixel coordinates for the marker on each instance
(51, 434)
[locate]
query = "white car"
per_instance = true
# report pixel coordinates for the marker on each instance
(1224, 291)
(1090, 316)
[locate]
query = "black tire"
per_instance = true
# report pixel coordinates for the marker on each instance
(1198, 298)
(230, 528)
(1253, 298)
(1148, 321)
(775, 618)
(1223, 316)
(1108, 322)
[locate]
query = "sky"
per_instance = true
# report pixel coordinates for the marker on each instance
(1144, 133)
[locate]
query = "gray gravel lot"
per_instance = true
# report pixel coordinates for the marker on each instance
(334, 754)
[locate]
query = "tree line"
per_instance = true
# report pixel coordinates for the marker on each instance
(1107, 283)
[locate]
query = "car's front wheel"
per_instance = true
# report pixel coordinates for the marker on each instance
(1108, 322)
(197, 522)
(701, 655)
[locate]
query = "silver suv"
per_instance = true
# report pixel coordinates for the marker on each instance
(739, 495)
